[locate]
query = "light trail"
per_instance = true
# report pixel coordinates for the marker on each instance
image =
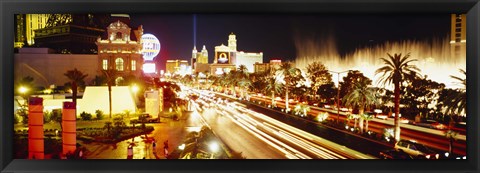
(285, 138)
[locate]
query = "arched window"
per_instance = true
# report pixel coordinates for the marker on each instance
(119, 64)
(119, 36)
(119, 81)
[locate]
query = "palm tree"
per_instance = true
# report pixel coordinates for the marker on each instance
(110, 76)
(243, 79)
(302, 109)
(367, 118)
(76, 77)
(451, 136)
(395, 70)
(273, 86)
(456, 102)
(244, 84)
(289, 73)
(362, 97)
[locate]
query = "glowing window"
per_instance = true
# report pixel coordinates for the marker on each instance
(105, 64)
(119, 64)
(134, 65)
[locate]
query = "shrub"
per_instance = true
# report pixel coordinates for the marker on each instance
(24, 115)
(56, 115)
(86, 116)
(99, 114)
(47, 117)
(16, 120)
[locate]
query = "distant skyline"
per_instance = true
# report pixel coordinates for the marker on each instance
(275, 35)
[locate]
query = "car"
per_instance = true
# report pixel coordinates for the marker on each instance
(431, 124)
(148, 118)
(415, 149)
(404, 120)
(394, 154)
(380, 116)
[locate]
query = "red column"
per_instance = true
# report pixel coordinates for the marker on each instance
(69, 126)
(35, 128)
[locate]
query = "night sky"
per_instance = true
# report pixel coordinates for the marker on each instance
(274, 35)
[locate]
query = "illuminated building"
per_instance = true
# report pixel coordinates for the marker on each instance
(458, 35)
(25, 26)
(121, 51)
(228, 58)
(72, 33)
(270, 67)
(176, 66)
(199, 60)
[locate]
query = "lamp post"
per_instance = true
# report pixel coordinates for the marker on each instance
(338, 92)
(135, 90)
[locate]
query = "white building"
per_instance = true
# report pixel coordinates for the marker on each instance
(228, 57)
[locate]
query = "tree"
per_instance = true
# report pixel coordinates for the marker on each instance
(417, 93)
(451, 136)
(361, 97)
(395, 69)
(260, 82)
(291, 76)
(327, 92)
(348, 83)
(318, 75)
(367, 118)
(456, 101)
(244, 81)
(273, 85)
(76, 77)
(110, 77)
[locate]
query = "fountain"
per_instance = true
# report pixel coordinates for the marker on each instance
(434, 57)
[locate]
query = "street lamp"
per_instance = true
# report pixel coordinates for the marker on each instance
(22, 91)
(213, 148)
(338, 92)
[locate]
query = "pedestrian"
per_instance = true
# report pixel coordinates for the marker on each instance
(165, 144)
(165, 148)
(154, 146)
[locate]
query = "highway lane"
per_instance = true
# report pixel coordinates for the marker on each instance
(430, 137)
(238, 139)
(285, 138)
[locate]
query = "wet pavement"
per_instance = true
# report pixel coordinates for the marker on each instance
(168, 129)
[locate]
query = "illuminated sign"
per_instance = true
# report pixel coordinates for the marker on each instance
(151, 46)
(223, 58)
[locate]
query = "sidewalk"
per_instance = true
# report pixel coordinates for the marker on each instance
(173, 131)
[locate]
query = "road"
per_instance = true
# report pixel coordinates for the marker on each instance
(430, 137)
(238, 139)
(292, 142)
